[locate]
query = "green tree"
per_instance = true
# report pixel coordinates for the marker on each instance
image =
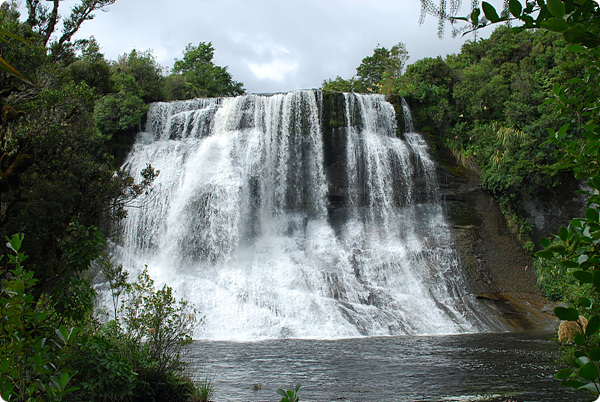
(376, 72)
(92, 68)
(147, 73)
(205, 79)
(338, 85)
(45, 19)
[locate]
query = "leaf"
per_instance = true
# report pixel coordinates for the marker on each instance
(528, 19)
(592, 214)
(582, 258)
(566, 314)
(595, 354)
(564, 373)
(556, 7)
(584, 302)
(544, 254)
(515, 8)
(555, 24)
(592, 327)
(62, 333)
(588, 371)
(475, 16)
(490, 12)
(597, 280)
(563, 233)
(572, 383)
(7, 68)
(569, 264)
(545, 242)
(583, 277)
(576, 48)
(579, 340)
(596, 182)
(575, 81)
(591, 387)
(575, 34)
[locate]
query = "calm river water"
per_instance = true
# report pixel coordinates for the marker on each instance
(473, 367)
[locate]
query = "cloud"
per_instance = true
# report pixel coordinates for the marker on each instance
(266, 59)
(275, 70)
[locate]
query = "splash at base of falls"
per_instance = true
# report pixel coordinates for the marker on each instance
(239, 222)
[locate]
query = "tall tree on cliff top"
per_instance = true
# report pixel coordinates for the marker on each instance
(376, 73)
(576, 247)
(204, 78)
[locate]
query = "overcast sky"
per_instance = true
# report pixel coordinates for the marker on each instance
(269, 45)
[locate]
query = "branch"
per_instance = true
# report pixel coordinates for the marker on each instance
(51, 26)
(32, 7)
(80, 14)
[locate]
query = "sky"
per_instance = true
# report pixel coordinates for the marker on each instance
(269, 45)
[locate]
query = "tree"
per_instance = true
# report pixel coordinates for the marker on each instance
(147, 73)
(205, 78)
(44, 19)
(338, 85)
(377, 73)
(92, 68)
(383, 67)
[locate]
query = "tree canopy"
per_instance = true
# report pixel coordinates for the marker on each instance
(204, 78)
(375, 73)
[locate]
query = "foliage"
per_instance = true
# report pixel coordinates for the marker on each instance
(205, 79)
(31, 351)
(488, 103)
(19, 47)
(136, 356)
(576, 247)
(138, 352)
(60, 141)
(157, 322)
(146, 72)
(117, 113)
(380, 69)
(289, 395)
(92, 68)
(205, 391)
(44, 20)
(4, 65)
(339, 85)
(377, 73)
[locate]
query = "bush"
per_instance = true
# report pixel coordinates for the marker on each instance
(134, 357)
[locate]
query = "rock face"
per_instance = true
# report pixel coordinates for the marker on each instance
(497, 266)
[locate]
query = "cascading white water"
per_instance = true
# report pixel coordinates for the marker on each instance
(238, 222)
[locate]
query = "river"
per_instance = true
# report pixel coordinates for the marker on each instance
(469, 367)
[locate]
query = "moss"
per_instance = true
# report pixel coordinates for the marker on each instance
(334, 114)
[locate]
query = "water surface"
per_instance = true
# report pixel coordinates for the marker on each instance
(468, 367)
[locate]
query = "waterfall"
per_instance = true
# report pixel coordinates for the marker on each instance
(239, 221)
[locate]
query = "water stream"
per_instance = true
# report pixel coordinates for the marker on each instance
(239, 222)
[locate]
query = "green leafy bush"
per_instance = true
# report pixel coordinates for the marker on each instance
(32, 365)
